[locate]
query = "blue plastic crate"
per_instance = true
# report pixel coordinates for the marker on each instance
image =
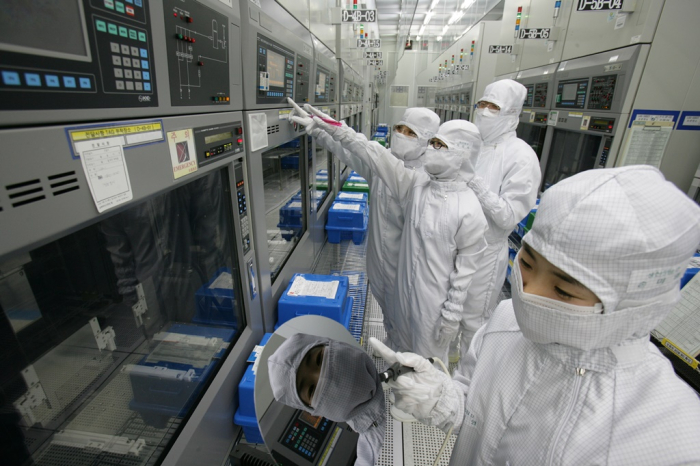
(351, 197)
(290, 162)
(336, 235)
(356, 179)
(315, 299)
(250, 427)
(348, 216)
(246, 387)
(163, 389)
(290, 213)
(214, 301)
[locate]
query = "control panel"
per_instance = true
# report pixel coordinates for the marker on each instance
(215, 142)
(243, 217)
(539, 99)
(529, 96)
(303, 78)
(197, 41)
(602, 92)
(607, 142)
(572, 94)
(85, 54)
(604, 125)
(541, 117)
(275, 76)
(331, 89)
(305, 434)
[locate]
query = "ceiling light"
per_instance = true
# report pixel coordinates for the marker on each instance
(456, 16)
(422, 29)
(418, 38)
(444, 30)
(434, 4)
(467, 4)
(428, 15)
(439, 38)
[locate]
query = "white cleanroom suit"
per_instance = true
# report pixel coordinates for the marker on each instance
(543, 384)
(443, 237)
(348, 389)
(386, 217)
(507, 180)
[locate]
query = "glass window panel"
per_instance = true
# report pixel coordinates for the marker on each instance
(533, 135)
(110, 334)
(283, 205)
(320, 176)
(571, 153)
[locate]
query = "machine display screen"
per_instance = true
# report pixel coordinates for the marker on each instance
(275, 68)
(33, 26)
(321, 80)
(572, 94)
(218, 137)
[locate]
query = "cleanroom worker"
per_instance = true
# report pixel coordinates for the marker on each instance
(564, 373)
(443, 236)
(506, 182)
(334, 380)
(409, 142)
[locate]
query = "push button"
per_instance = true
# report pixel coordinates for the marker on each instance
(11, 78)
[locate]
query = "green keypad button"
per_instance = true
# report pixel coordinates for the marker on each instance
(123, 32)
(132, 34)
(101, 26)
(120, 7)
(142, 36)
(112, 29)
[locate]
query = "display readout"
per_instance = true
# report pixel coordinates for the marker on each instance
(572, 94)
(218, 137)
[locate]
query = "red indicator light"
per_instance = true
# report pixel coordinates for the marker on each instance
(239, 140)
(175, 15)
(189, 19)
(200, 63)
(239, 130)
(610, 127)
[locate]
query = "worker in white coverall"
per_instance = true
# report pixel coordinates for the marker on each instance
(564, 373)
(443, 237)
(506, 182)
(409, 142)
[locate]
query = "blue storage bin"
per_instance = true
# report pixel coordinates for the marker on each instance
(336, 235)
(344, 196)
(347, 215)
(315, 299)
(163, 389)
(290, 162)
(290, 219)
(250, 427)
(246, 387)
(214, 301)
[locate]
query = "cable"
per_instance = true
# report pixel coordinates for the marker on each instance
(449, 432)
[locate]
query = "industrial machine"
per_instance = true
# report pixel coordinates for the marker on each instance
(533, 127)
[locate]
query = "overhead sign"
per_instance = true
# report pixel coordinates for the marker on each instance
(359, 16)
(535, 33)
(374, 55)
(598, 5)
(369, 43)
(375, 62)
(500, 48)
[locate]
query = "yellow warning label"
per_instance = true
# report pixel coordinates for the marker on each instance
(111, 131)
(691, 361)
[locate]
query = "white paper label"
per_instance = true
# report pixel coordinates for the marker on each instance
(691, 120)
(106, 172)
(303, 287)
(358, 196)
(620, 23)
(256, 3)
(635, 39)
(223, 282)
(182, 152)
(354, 280)
(343, 206)
(295, 205)
(553, 116)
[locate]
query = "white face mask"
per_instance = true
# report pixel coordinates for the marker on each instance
(490, 124)
(522, 301)
(442, 164)
(405, 147)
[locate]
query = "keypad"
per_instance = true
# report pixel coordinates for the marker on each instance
(129, 54)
